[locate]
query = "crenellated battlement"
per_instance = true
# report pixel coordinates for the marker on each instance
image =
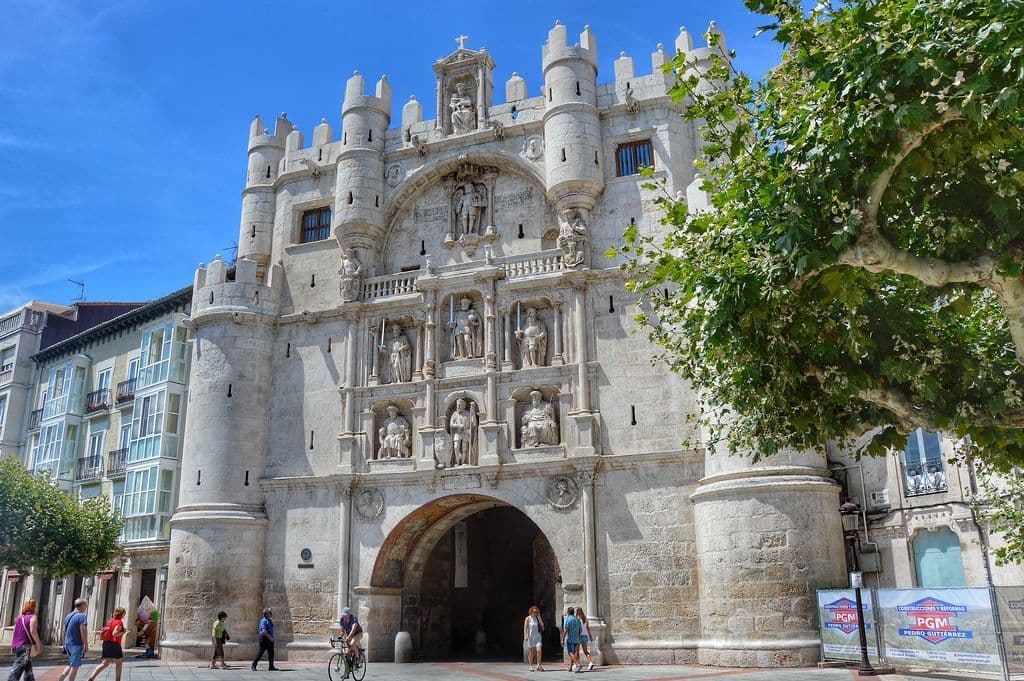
(644, 85)
(216, 293)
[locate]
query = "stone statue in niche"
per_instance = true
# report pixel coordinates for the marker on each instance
(470, 200)
(351, 275)
(538, 422)
(393, 436)
(533, 341)
(463, 111)
(465, 326)
(462, 428)
(399, 355)
(572, 237)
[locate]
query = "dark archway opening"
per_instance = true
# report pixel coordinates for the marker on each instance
(476, 586)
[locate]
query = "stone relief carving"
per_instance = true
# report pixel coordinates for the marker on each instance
(533, 148)
(533, 340)
(394, 436)
(462, 111)
(562, 492)
(370, 504)
(351, 275)
(538, 422)
(398, 352)
(465, 326)
(572, 237)
(394, 175)
(471, 207)
(462, 429)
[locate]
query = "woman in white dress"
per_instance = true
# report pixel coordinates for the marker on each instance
(533, 636)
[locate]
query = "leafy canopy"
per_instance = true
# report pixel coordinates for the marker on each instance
(46, 528)
(858, 263)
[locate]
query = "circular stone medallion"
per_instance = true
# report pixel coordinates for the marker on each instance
(562, 492)
(370, 504)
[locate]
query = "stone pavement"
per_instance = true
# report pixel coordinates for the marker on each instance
(155, 670)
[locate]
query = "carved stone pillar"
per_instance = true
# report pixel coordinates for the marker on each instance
(351, 381)
(585, 478)
(557, 358)
(582, 378)
(442, 110)
(506, 364)
(344, 545)
(417, 374)
(374, 356)
(481, 110)
(490, 354)
(430, 361)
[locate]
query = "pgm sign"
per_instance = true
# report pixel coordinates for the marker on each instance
(932, 620)
(842, 615)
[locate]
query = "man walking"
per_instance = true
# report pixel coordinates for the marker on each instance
(266, 640)
(571, 629)
(76, 639)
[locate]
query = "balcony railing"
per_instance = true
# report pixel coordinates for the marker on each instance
(390, 285)
(921, 481)
(35, 417)
(89, 468)
(541, 262)
(97, 400)
(29, 319)
(6, 376)
(117, 462)
(126, 390)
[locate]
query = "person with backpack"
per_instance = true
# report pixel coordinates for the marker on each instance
(25, 642)
(76, 639)
(110, 638)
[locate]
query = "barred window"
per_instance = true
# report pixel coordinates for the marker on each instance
(316, 225)
(631, 157)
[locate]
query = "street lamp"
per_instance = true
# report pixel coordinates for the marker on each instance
(850, 515)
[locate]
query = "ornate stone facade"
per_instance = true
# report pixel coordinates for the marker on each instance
(462, 389)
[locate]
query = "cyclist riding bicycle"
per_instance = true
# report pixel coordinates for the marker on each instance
(351, 631)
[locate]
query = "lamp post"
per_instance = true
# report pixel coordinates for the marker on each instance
(850, 514)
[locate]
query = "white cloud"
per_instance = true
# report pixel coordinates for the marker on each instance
(25, 287)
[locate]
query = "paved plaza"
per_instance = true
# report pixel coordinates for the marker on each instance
(155, 670)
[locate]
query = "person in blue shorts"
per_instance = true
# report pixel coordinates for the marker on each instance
(571, 629)
(76, 639)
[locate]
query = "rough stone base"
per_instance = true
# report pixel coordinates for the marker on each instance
(745, 657)
(634, 653)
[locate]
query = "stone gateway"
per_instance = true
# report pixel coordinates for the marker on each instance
(444, 400)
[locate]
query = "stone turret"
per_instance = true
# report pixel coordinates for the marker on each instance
(359, 194)
(255, 234)
(572, 129)
(218, 534)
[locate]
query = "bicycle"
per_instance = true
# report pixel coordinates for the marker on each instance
(343, 663)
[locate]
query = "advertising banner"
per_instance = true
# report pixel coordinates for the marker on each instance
(942, 629)
(1011, 615)
(837, 612)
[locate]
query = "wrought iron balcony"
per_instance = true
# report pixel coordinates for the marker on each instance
(117, 462)
(89, 468)
(35, 417)
(930, 480)
(126, 390)
(97, 400)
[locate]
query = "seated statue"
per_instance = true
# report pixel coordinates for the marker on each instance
(538, 423)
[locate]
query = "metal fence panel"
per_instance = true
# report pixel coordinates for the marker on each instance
(837, 612)
(1011, 615)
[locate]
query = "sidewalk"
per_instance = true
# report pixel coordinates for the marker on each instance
(156, 670)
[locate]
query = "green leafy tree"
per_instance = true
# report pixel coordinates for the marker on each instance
(857, 267)
(45, 528)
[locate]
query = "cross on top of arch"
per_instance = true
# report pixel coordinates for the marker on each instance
(461, 40)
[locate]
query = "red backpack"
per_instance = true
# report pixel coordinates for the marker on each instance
(107, 632)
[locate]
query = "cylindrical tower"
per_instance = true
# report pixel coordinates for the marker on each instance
(359, 193)
(572, 128)
(768, 536)
(218, 533)
(256, 232)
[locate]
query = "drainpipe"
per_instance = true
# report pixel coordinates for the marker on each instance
(863, 511)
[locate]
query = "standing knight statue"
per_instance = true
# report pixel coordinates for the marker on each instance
(399, 356)
(462, 428)
(465, 329)
(470, 201)
(533, 341)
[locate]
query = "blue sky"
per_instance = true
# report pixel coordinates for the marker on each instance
(123, 125)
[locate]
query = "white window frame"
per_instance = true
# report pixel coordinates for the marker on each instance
(3, 413)
(95, 447)
(7, 358)
(103, 378)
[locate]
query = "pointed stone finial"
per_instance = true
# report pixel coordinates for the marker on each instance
(558, 22)
(284, 114)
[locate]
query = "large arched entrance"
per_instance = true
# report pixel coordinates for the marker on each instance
(464, 570)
